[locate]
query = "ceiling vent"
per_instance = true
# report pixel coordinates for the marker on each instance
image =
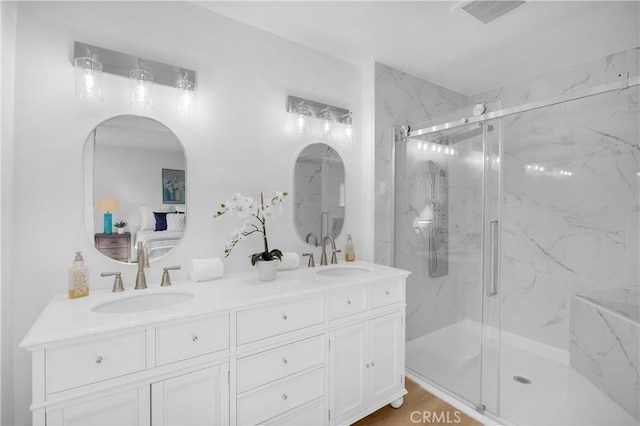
(486, 11)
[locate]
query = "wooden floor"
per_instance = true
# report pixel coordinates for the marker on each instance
(419, 408)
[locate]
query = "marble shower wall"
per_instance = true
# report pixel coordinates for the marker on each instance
(571, 228)
(402, 98)
(605, 345)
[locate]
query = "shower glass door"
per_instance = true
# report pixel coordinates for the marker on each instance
(441, 230)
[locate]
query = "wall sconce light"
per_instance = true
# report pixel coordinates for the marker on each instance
(302, 118)
(327, 123)
(142, 73)
(304, 110)
(108, 205)
(141, 82)
(186, 97)
(88, 76)
(347, 120)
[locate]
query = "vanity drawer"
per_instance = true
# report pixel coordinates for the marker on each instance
(347, 302)
(265, 367)
(191, 339)
(267, 321)
(310, 416)
(386, 293)
(281, 398)
(88, 362)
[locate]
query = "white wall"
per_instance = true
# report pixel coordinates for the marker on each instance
(240, 140)
(8, 16)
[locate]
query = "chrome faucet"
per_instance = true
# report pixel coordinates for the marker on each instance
(323, 258)
(315, 238)
(143, 262)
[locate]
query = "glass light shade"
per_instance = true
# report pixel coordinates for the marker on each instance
(302, 119)
(141, 82)
(88, 78)
(326, 129)
(348, 132)
(302, 124)
(186, 98)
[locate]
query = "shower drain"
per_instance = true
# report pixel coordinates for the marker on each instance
(521, 379)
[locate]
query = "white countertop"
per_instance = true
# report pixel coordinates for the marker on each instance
(64, 320)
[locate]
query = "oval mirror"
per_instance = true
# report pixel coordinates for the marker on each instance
(135, 190)
(319, 193)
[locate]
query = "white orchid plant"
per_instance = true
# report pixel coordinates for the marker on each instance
(245, 207)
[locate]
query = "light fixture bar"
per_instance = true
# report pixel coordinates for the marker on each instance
(315, 108)
(121, 63)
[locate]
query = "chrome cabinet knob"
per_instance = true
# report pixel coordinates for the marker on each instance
(373, 364)
(348, 301)
(284, 396)
(386, 292)
(284, 317)
(194, 338)
(99, 359)
(284, 361)
(367, 365)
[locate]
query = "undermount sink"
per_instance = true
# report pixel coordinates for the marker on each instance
(141, 303)
(342, 272)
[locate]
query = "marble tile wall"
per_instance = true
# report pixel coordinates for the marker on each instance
(567, 234)
(402, 98)
(604, 348)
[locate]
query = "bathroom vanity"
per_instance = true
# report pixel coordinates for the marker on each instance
(317, 346)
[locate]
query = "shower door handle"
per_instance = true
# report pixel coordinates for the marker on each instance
(492, 288)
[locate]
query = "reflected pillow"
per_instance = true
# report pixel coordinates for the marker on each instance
(175, 221)
(148, 219)
(161, 221)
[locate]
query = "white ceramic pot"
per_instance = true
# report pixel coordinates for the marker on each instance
(120, 230)
(267, 270)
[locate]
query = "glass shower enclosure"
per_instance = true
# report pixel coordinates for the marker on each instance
(521, 229)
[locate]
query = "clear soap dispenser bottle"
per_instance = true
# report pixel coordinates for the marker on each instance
(349, 250)
(78, 278)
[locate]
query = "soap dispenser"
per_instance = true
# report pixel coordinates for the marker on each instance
(349, 250)
(78, 278)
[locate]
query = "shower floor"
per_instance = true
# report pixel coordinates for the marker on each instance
(558, 395)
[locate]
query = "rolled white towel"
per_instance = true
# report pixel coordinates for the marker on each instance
(206, 269)
(290, 260)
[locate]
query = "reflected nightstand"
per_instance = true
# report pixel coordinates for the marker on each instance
(116, 246)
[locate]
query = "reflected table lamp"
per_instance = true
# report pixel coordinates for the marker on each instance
(108, 205)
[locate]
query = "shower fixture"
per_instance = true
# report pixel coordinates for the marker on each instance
(479, 109)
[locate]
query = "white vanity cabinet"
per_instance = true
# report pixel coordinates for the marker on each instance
(323, 351)
(198, 398)
(124, 407)
(110, 379)
(366, 359)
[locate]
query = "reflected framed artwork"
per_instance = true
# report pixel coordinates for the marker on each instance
(173, 188)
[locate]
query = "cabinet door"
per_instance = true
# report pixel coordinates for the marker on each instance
(129, 407)
(348, 371)
(198, 398)
(386, 356)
